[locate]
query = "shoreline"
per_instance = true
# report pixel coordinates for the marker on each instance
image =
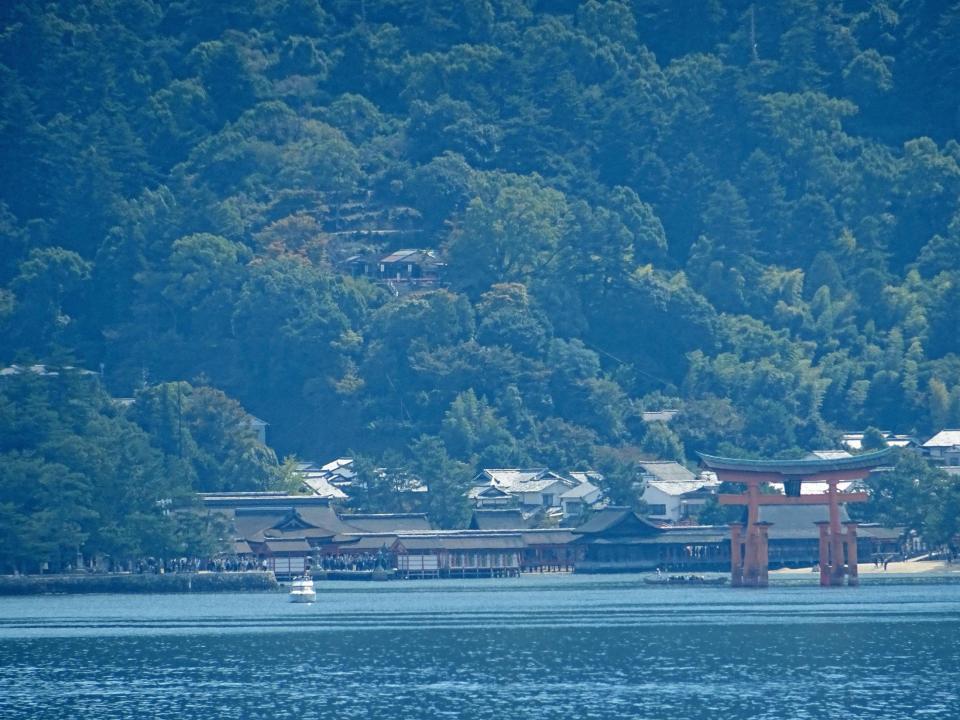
(908, 573)
(135, 584)
(913, 568)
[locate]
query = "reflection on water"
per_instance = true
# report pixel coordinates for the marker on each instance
(542, 647)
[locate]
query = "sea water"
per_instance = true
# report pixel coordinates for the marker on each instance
(551, 646)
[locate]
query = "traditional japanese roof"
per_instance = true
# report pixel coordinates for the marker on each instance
(854, 440)
(580, 491)
(616, 520)
(797, 467)
(322, 517)
(388, 522)
(461, 541)
(878, 532)
(663, 416)
(686, 487)
(365, 543)
(231, 500)
(319, 484)
(551, 536)
(540, 484)
(486, 491)
(44, 370)
(241, 547)
(944, 438)
(337, 464)
(667, 470)
(255, 523)
(409, 255)
(582, 476)
(280, 546)
(250, 523)
(797, 522)
(690, 535)
(506, 478)
(508, 519)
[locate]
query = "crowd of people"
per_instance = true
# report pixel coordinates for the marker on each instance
(379, 560)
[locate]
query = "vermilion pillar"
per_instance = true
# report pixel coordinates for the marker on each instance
(824, 527)
(836, 535)
(763, 554)
(736, 555)
(853, 577)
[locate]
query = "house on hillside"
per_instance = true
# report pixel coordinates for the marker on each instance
(577, 500)
(337, 479)
(490, 496)
(943, 449)
(529, 489)
(401, 270)
(319, 481)
(854, 440)
(660, 416)
(672, 493)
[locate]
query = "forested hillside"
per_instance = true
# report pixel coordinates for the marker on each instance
(745, 211)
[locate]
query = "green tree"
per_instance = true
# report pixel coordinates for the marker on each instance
(447, 482)
(621, 478)
(873, 440)
(44, 293)
(662, 442)
(511, 231)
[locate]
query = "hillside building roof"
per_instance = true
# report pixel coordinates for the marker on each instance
(666, 470)
(944, 438)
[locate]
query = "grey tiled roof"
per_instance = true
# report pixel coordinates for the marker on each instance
(667, 470)
(388, 522)
(497, 520)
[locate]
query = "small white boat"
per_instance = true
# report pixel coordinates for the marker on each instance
(301, 589)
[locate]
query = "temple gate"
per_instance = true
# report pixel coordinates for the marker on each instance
(749, 564)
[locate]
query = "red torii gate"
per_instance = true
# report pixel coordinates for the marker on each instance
(748, 546)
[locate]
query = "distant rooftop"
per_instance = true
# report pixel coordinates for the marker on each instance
(677, 488)
(667, 471)
(580, 491)
(854, 440)
(944, 438)
(663, 416)
(582, 476)
(43, 370)
(507, 478)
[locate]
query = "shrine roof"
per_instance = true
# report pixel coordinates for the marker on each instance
(797, 467)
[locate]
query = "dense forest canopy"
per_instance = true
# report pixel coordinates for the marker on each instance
(745, 211)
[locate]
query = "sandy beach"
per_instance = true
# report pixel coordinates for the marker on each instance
(909, 567)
